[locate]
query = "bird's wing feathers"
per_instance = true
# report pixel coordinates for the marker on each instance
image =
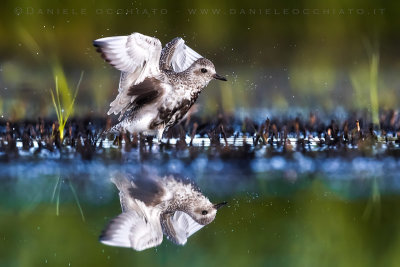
(138, 194)
(179, 226)
(177, 56)
(147, 190)
(130, 53)
(137, 56)
(130, 229)
(139, 225)
(146, 92)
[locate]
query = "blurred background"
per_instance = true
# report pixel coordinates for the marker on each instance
(289, 55)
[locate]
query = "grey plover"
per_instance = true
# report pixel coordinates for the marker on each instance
(158, 85)
(155, 206)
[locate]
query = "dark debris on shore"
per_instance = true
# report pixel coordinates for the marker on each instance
(277, 136)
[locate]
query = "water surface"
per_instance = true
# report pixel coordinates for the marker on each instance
(284, 210)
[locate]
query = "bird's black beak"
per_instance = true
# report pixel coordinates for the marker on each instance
(218, 77)
(220, 205)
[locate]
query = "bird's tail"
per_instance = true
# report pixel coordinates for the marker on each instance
(124, 183)
(116, 129)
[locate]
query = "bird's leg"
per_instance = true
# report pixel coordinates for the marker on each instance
(160, 132)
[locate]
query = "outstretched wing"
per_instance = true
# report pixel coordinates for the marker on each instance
(138, 194)
(177, 56)
(130, 229)
(179, 226)
(137, 56)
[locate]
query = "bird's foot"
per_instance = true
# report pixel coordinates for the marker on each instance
(159, 136)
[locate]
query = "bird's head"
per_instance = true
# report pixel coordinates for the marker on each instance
(204, 211)
(204, 70)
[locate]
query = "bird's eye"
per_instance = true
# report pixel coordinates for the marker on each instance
(204, 212)
(203, 70)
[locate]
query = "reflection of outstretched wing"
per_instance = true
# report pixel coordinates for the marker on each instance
(148, 190)
(129, 229)
(179, 227)
(136, 194)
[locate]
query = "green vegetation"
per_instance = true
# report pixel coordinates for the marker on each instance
(64, 107)
(56, 194)
(374, 64)
(365, 80)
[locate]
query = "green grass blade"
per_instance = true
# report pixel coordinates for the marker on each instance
(62, 101)
(55, 104)
(63, 88)
(374, 66)
(373, 208)
(58, 199)
(70, 108)
(55, 189)
(61, 119)
(30, 42)
(76, 199)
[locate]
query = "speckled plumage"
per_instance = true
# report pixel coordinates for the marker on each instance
(157, 86)
(155, 206)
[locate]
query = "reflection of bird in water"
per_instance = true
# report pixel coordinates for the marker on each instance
(155, 206)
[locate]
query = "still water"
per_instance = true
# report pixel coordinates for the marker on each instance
(282, 211)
